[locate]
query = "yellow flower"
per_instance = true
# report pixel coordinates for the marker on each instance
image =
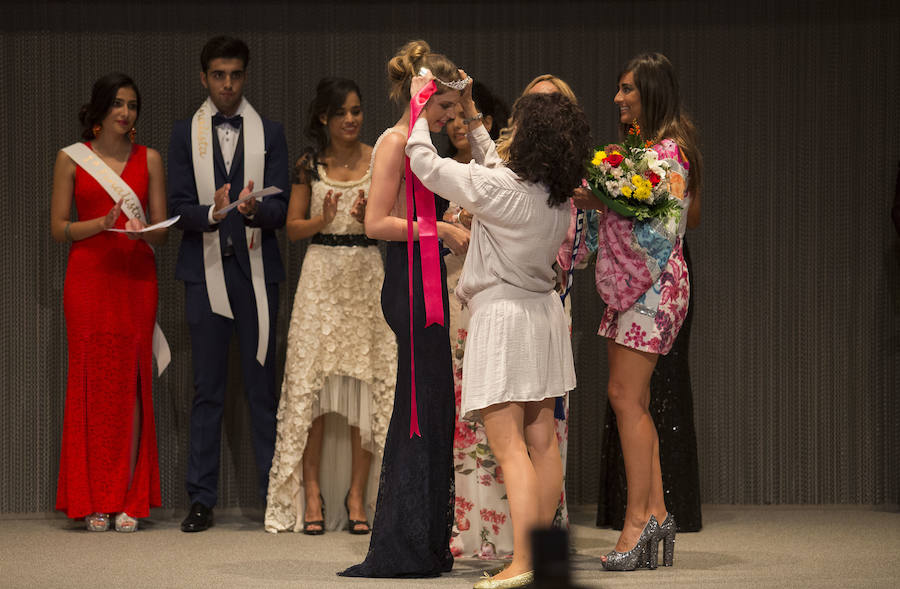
(626, 190)
(642, 193)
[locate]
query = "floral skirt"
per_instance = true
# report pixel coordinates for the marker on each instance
(651, 324)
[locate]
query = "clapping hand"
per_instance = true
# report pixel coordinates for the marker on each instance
(329, 206)
(109, 220)
(220, 201)
(133, 226)
(358, 210)
(248, 208)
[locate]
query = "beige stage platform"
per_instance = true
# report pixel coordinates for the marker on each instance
(754, 547)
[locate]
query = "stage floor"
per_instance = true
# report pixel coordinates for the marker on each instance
(740, 546)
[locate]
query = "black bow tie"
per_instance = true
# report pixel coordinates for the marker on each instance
(234, 121)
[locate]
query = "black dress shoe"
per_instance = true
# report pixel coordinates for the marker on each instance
(199, 518)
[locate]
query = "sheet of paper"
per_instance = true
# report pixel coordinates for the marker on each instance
(258, 194)
(160, 225)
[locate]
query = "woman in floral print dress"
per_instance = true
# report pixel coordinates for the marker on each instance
(647, 95)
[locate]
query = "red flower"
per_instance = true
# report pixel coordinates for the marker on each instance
(465, 435)
(613, 159)
(653, 178)
(462, 524)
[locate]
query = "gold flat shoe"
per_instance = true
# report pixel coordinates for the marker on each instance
(488, 582)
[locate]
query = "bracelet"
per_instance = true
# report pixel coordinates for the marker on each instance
(67, 233)
(477, 117)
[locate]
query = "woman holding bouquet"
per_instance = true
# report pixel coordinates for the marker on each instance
(641, 325)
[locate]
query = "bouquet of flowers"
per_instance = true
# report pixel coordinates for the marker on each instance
(632, 180)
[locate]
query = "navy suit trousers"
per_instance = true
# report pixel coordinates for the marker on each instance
(210, 340)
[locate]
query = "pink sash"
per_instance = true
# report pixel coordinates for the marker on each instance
(428, 251)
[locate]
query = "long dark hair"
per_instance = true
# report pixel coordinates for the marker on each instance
(550, 143)
(331, 93)
(103, 95)
(662, 115)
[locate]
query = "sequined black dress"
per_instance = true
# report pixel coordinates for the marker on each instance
(414, 512)
(672, 409)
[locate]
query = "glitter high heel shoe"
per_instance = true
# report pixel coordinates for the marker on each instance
(645, 548)
(666, 533)
(126, 523)
(97, 522)
(488, 582)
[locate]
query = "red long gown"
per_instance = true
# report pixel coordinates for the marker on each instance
(110, 306)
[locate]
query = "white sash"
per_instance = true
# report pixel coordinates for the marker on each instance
(204, 176)
(118, 189)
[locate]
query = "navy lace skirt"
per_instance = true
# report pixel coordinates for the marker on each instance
(414, 512)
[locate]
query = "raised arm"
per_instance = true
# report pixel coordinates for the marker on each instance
(445, 176)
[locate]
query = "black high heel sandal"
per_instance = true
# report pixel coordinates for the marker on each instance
(356, 522)
(318, 522)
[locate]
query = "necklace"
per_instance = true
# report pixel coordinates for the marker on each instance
(351, 161)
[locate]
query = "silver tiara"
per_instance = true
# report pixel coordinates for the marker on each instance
(459, 85)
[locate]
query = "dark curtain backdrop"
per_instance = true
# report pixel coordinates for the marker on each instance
(797, 322)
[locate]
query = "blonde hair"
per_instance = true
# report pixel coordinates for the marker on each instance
(407, 62)
(507, 132)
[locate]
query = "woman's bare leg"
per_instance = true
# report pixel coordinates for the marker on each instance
(312, 456)
(629, 394)
(543, 449)
(504, 425)
(359, 475)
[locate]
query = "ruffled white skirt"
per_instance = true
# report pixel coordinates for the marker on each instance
(518, 349)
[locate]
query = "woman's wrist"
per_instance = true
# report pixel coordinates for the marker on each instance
(441, 226)
(473, 119)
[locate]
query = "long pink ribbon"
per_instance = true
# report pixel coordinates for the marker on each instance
(428, 251)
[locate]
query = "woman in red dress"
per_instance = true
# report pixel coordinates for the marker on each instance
(108, 463)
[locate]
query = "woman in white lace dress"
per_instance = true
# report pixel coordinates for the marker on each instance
(341, 356)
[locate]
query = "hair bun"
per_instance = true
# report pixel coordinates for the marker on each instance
(83, 114)
(402, 66)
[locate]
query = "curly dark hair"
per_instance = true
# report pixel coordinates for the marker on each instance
(550, 143)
